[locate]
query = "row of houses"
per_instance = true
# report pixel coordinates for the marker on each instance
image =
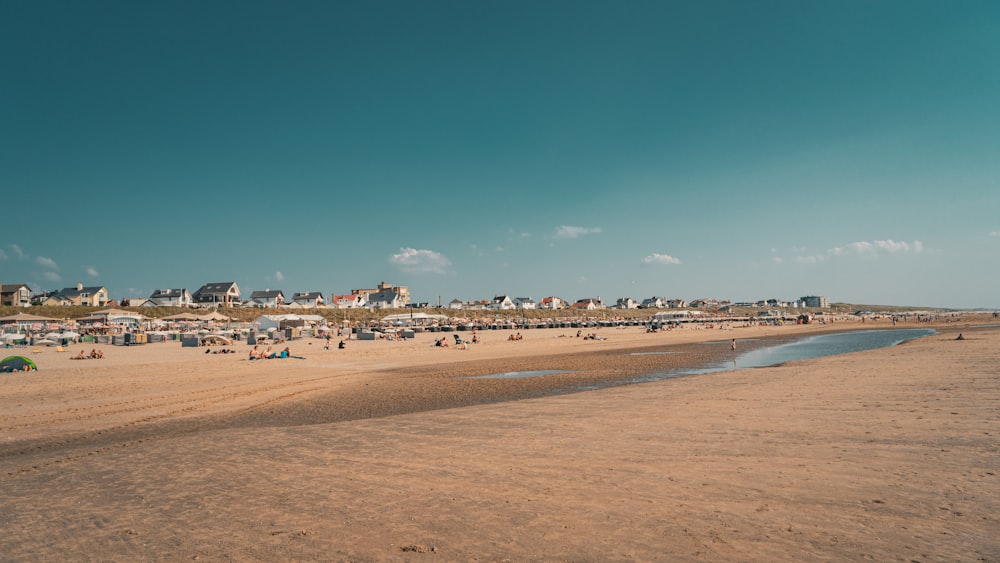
(383, 296)
(215, 294)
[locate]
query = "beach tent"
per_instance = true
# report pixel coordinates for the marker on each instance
(25, 318)
(182, 317)
(215, 340)
(213, 316)
(17, 363)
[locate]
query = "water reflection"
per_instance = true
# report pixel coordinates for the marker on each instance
(809, 347)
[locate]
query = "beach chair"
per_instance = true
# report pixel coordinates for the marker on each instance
(60, 349)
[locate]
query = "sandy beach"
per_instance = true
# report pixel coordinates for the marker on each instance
(393, 451)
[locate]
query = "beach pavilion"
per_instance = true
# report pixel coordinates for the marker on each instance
(414, 319)
(24, 320)
(117, 317)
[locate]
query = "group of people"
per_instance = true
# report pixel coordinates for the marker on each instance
(514, 337)
(95, 354)
(268, 354)
(223, 351)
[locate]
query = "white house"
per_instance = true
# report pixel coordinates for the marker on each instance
(347, 301)
(309, 299)
(552, 302)
(653, 303)
(626, 303)
(525, 303)
(502, 303)
(386, 299)
(171, 298)
(269, 298)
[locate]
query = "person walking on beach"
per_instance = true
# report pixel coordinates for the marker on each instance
(733, 345)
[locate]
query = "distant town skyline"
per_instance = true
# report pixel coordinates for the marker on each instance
(727, 150)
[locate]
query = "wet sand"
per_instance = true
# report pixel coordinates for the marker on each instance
(389, 451)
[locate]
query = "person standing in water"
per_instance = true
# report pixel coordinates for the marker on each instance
(733, 345)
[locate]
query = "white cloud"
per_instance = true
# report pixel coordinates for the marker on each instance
(808, 259)
(51, 276)
(46, 263)
(415, 261)
(92, 272)
(16, 250)
(279, 276)
(567, 231)
(661, 259)
(777, 259)
(995, 234)
(3, 255)
(865, 248)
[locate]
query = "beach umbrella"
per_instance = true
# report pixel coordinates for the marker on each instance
(45, 342)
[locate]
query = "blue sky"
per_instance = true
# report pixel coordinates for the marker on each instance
(735, 150)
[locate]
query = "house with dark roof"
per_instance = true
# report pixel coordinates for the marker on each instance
(15, 295)
(268, 298)
(626, 303)
(524, 303)
(311, 299)
(226, 294)
(92, 296)
(171, 298)
(502, 303)
(386, 299)
(653, 302)
(589, 304)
